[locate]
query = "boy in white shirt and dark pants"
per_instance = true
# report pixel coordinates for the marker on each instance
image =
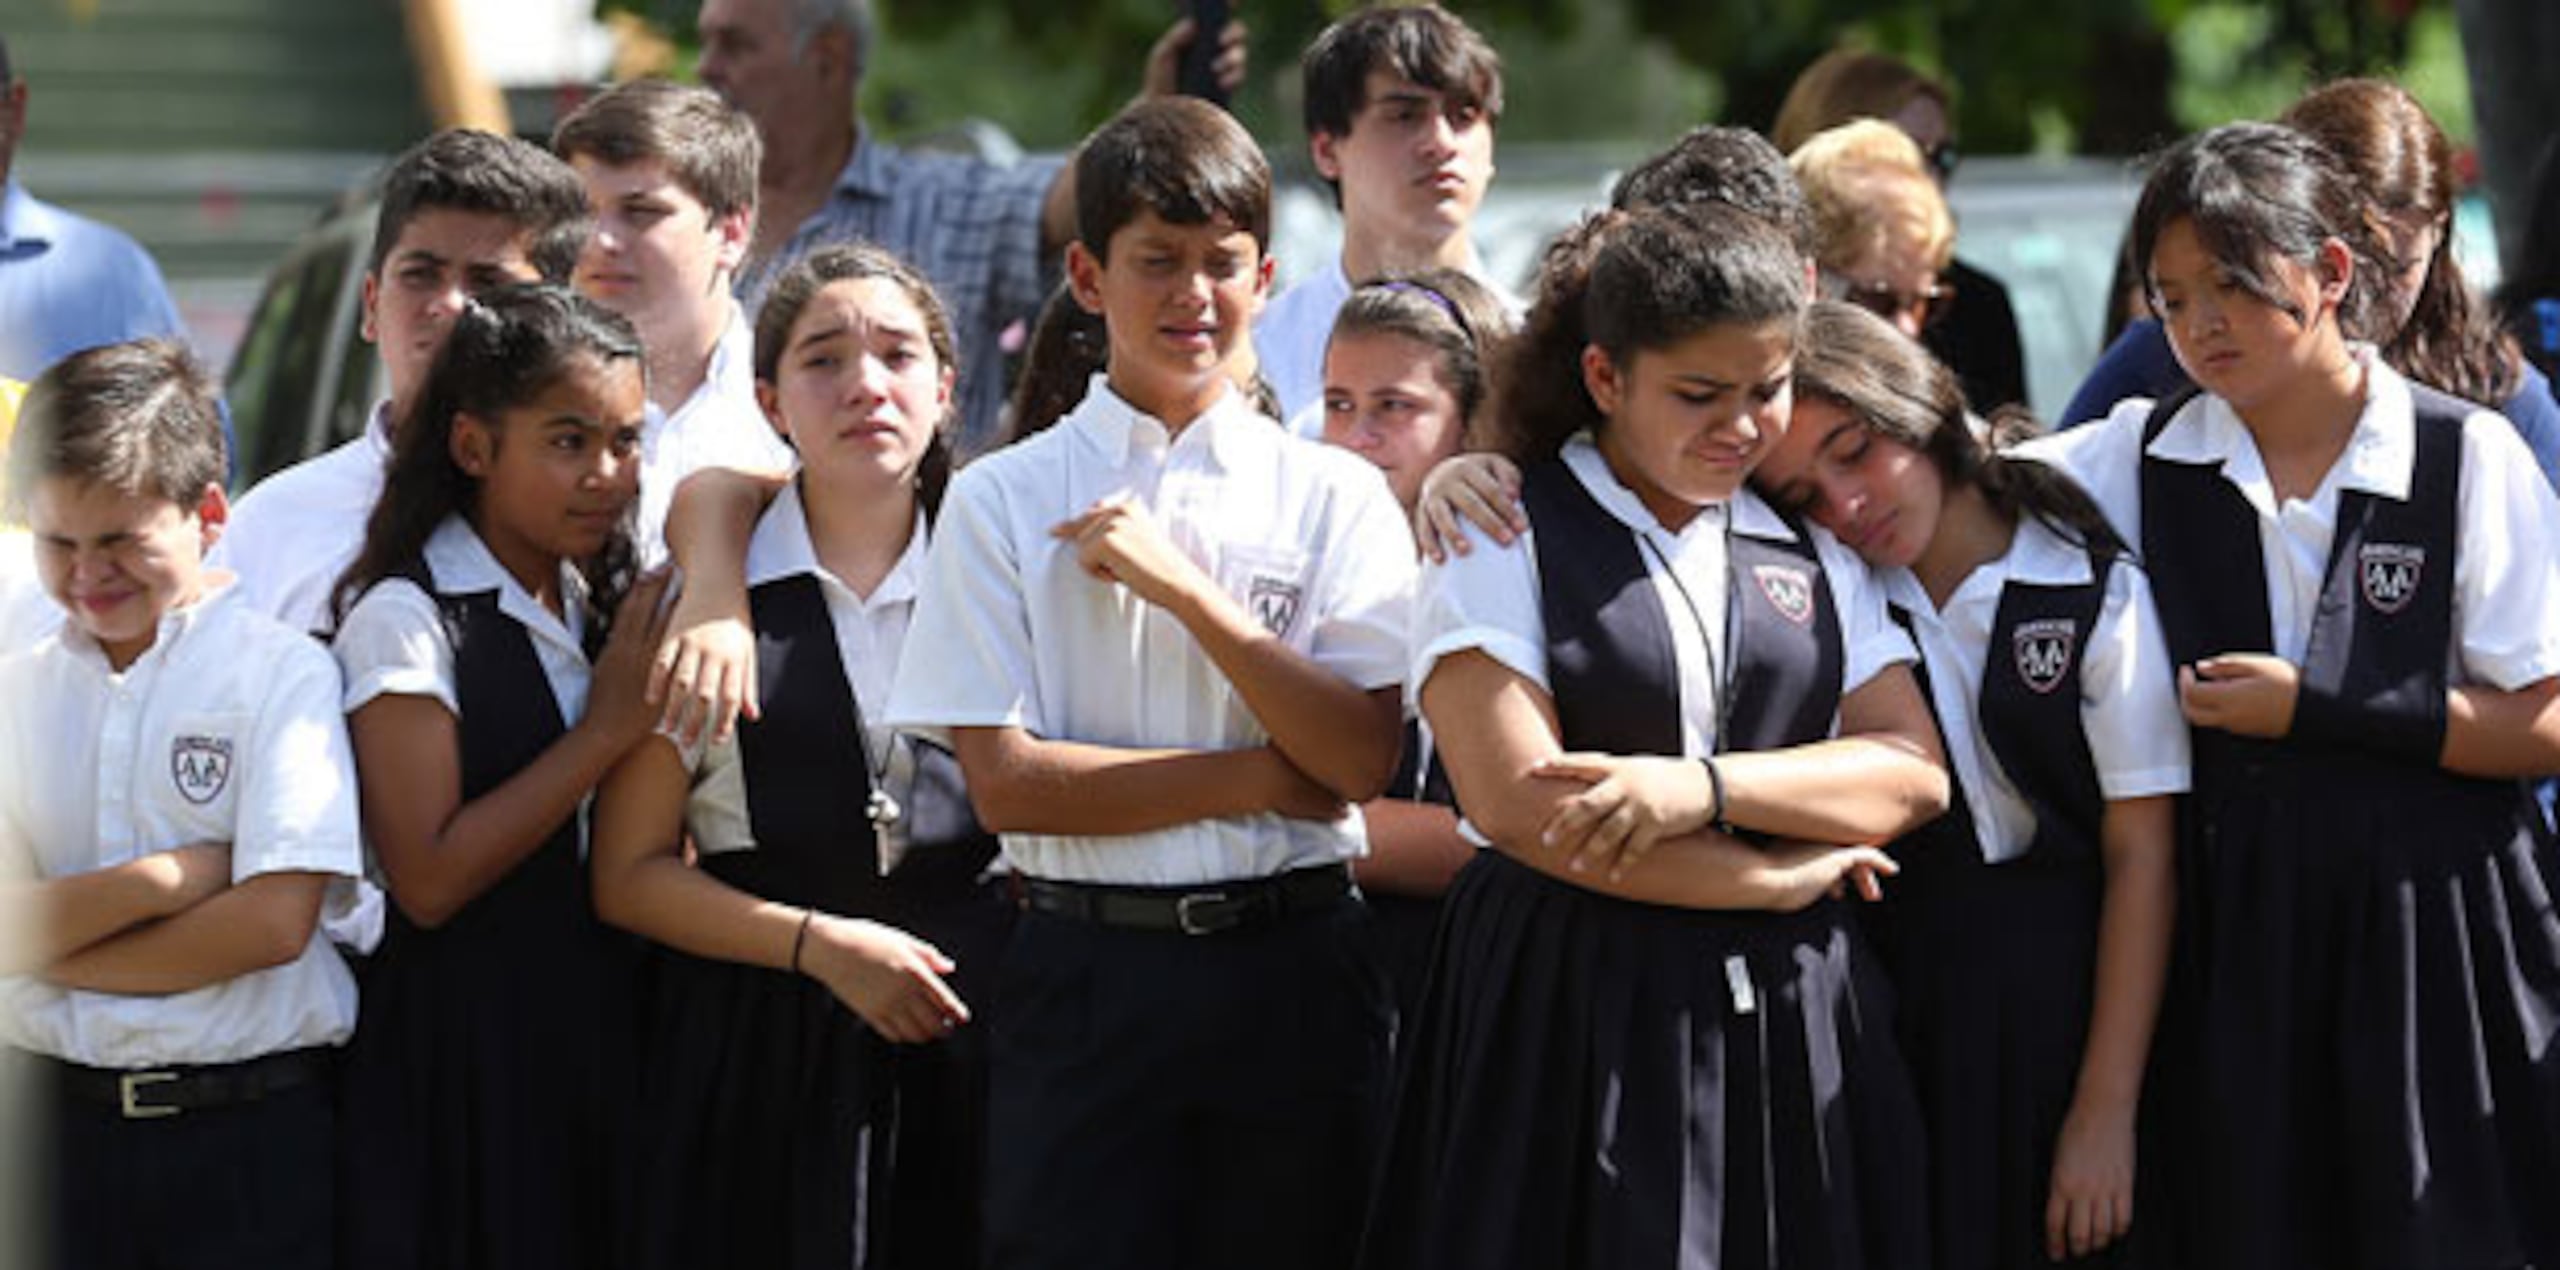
(177, 808)
(1166, 666)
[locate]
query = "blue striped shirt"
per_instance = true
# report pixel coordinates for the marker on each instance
(972, 227)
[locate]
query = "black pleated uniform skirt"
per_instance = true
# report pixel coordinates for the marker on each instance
(485, 1091)
(1994, 970)
(2361, 1061)
(1596, 1083)
(762, 1127)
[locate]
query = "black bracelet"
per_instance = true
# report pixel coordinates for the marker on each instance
(807, 915)
(1715, 789)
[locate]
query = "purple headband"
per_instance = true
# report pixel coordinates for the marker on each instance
(1445, 304)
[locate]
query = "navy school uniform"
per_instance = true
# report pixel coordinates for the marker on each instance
(2355, 1064)
(481, 1091)
(1990, 932)
(1592, 1082)
(777, 1129)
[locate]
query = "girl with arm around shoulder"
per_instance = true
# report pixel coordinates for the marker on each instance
(1678, 722)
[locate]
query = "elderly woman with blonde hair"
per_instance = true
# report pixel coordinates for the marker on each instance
(1882, 235)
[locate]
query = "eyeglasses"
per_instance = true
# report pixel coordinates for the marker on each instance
(1943, 158)
(1923, 307)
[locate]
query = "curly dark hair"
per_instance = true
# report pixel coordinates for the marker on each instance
(1628, 281)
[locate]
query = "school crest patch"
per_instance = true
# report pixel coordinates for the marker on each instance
(1274, 602)
(2390, 573)
(2044, 649)
(200, 766)
(1790, 591)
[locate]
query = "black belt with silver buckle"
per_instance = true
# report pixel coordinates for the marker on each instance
(1209, 909)
(155, 1093)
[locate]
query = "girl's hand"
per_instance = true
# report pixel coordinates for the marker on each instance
(704, 673)
(617, 692)
(2091, 1200)
(1484, 489)
(1801, 873)
(1117, 541)
(1630, 804)
(2246, 694)
(889, 977)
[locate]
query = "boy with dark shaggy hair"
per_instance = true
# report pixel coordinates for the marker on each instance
(1165, 649)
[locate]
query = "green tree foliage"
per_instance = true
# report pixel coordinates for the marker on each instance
(2095, 76)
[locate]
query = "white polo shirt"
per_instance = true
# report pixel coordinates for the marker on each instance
(1010, 632)
(2128, 687)
(1289, 339)
(2506, 579)
(870, 633)
(291, 536)
(226, 729)
(26, 612)
(719, 425)
(394, 639)
(1488, 599)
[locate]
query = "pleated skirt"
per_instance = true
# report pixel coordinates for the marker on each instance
(761, 1126)
(484, 1094)
(1994, 969)
(1595, 1083)
(2361, 1063)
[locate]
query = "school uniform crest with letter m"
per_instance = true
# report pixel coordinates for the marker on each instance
(2390, 572)
(2043, 649)
(1274, 603)
(201, 766)
(1790, 591)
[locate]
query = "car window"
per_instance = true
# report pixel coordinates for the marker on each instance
(277, 372)
(358, 387)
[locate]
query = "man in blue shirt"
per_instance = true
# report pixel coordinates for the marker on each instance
(66, 282)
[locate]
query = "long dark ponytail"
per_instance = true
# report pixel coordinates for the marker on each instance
(2405, 166)
(1857, 361)
(506, 347)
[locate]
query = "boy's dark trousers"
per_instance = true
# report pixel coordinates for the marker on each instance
(226, 1167)
(1165, 1099)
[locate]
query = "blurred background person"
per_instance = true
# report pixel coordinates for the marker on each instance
(66, 282)
(1977, 335)
(1882, 235)
(987, 235)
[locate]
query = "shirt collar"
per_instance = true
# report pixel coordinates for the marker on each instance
(2377, 460)
(782, 548)
(377, 429)
(463, 565)
(867, 171)
(25, 220)
(1230, 430)
(220, 592)
(730, 375)
(1749, 515)
(2037, 556)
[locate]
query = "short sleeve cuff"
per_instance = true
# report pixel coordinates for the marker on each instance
(1517, 655)
(2509, 674)
(2148, 782)
(344, 859)
(400, 681)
